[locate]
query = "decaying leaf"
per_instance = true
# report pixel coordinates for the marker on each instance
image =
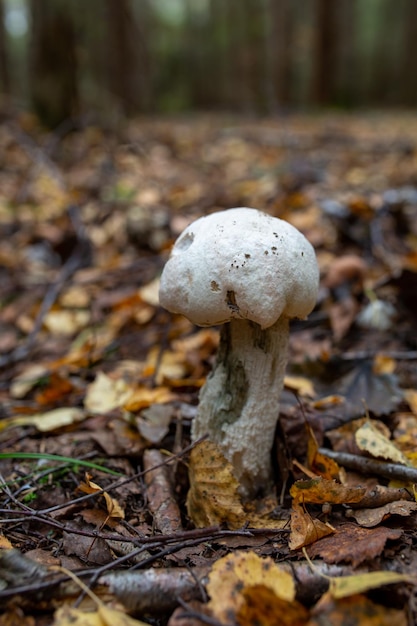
(353, 544)
(240, 572)
(213, 497)
(322, 491)
(262, 607)
(372, 517)
(305, 529)
(371, 440)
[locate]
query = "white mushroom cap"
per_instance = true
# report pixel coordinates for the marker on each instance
(240, 264)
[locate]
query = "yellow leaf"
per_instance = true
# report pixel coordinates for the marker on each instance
(213, 496)
(322, 491)
(103, 616)
(105, 394)
(410, 396)
(66, 322)
(236, 573)
(68, 616)
(113, 617)
(27, 379)
(302, 386)
(46, 422)
(143, 397)
(371, 440)
(344, 586)
(5, 543)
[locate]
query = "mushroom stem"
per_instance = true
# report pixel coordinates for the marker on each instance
(239, 403)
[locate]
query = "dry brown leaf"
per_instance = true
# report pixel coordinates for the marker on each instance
(262, 607)
(306, 530)
(114, 509)
(372, 517)
(353, 544)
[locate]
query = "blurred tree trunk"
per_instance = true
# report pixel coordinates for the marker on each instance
(53, 63)
(127, 60)
(4, 64)
(278, 43)
(324, 68)
(408, 79)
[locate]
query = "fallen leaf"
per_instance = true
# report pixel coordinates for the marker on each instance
(345, 586)
(114, 509)
(143, 397)
(105, 394)
(323, 491)
(371, 440)
(153, 422)
(27, 379)
(358, 610)
(103, 616)
(46, 422)
(262, 607)
(305, 530)
(233, 574)
(353, 544)
(372, 517)
(302, 386)
(66, 322)
(213, 497)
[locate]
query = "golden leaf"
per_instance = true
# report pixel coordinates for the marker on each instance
(236, 573)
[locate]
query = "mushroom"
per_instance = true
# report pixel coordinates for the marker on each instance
(250, 272)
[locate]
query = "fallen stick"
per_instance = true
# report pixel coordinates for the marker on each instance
(365, 465)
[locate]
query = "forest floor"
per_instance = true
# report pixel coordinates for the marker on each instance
(98, 384)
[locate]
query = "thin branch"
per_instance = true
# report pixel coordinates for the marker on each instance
(365, 465)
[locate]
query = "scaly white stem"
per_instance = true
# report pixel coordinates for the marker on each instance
(239, 403)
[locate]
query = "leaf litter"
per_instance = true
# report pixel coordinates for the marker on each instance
(91, 368)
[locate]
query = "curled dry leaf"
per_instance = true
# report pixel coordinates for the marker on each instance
(306, 530)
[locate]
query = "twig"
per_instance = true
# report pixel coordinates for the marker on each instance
(365, 465)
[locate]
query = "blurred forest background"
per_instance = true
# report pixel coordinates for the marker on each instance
(112, 58)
